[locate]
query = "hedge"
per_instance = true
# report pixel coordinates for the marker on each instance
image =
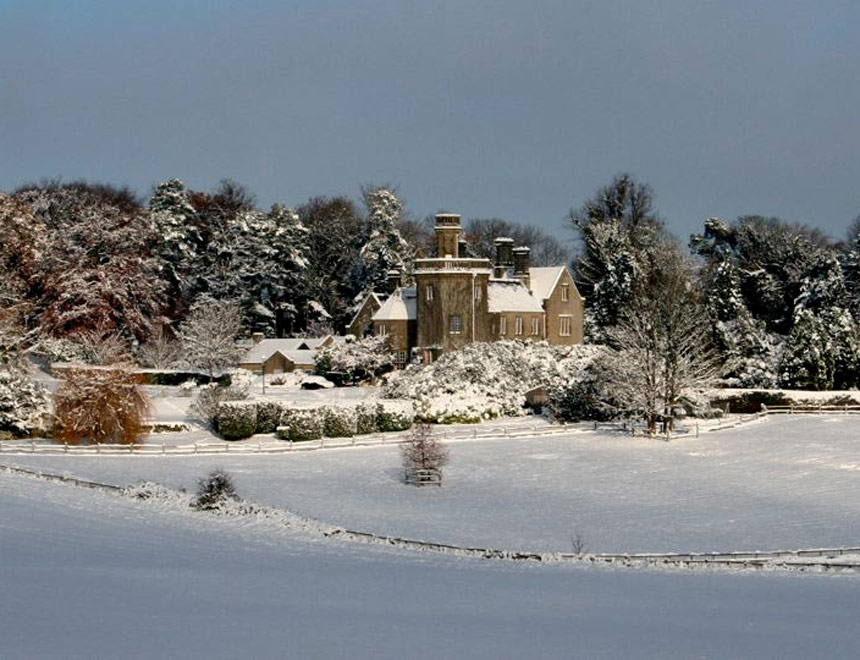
(237, 419)
(299, 424)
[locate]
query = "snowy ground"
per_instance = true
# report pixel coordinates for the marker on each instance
(90, 575)
(782, 483)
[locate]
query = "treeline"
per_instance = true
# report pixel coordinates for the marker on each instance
(82, 259)
(781, 300)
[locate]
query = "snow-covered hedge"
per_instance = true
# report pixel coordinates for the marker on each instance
(394, 415)
(339, 421)
(24, 405)
(487, 380)
(237, 419)
(302, 424)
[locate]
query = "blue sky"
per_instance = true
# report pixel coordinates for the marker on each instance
(490, 108)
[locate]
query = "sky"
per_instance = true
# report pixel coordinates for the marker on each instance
(489, 108)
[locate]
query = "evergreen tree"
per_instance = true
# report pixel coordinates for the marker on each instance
(807, 362)
(384, 249)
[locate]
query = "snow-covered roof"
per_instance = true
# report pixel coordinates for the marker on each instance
(300, 357)
(510, 296)
(266, 347)
(378, 297)
(400, 306)
(544, 279)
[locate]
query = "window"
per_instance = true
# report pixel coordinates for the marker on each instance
(381, 330)
(429, 292)
(455, 324)
(400, 359)
(565, 292)
(503, 325)
(519, 329)
(564, 326)
(477, 294)
(535, 325)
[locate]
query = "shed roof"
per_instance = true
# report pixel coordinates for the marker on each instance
(400, 306)
(510, 296)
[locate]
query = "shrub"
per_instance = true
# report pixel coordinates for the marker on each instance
(300, 424)
(100, 406)
(339, 421)
(209, 398)
(268, 416)
(214, 491)
(236, 419)
(24, 405)
(394, 416)
(365, 419)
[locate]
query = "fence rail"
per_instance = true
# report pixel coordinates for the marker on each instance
(808, 409)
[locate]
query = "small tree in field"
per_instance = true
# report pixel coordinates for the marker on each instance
(100, 406)
(422, 451)
(214, 491)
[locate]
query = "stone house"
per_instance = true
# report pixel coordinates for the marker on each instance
(275, 356)
(455, 301)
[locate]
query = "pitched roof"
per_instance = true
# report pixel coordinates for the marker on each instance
(401, 306)
(373, 295)
(510, 296)
(544, 279)
(266, 347)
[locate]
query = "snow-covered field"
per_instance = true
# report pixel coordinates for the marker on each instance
(782, 483)
(89, 574)
(86, 574)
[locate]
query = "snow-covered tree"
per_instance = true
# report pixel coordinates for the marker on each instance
(161, 352)
(422, 450)
(209, 335)
(361, 360)
(807, 362)
(24, 405)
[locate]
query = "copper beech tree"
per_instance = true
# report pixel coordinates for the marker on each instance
(100, 406)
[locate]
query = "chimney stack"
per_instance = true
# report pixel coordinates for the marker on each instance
(257, 337)
(447, 235)
(522, 263)
(504, 257)
(392, 280)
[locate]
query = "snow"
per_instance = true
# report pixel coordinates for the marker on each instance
(543, 280)
(90, 575)
(400, 306)
(265, 348)
(511, 296)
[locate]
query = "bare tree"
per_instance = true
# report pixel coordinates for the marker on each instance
(660, 348)
(209, 335)
(161, 352)
(422, 451)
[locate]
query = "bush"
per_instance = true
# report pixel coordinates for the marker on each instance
(214, 491)
(268, 416)
(339, 421)
(298, 425)
(236, 419)
(24, 405)
(365, 419)
(209, 398)
(100, 406)
(394, 416)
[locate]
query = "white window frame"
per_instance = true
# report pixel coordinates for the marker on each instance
(477, 294)
(519, 326)
(535, 325)
(382, 331)
(503, 325)
(565, 292)
(455, 320)
(428, 293)
(564, 320)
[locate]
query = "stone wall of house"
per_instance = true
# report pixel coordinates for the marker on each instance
(452, 296)
(556, 308)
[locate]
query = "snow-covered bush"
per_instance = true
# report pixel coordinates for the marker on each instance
(99, 405)
(300, 424)
(187, 387)
(236, 419)
(53, 349)
(361, 360)
(365, 418)
(209, 398)
(268, 416)
(241, 379)
(339, 421)
(214, 491)
(486, 380)
(24, 405)
(394, 416)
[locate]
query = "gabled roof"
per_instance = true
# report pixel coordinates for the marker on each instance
(510, 296)
(266, 347)
(377, 297)
(544, 280)
(401, 306)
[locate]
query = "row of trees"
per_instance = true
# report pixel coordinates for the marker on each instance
(758, 302)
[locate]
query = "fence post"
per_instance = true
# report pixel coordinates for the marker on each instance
(322, 441)
(697, 429)
(195, 446)
(259, 447)
(163, 448)
(65, 447)
(226, 446)
(98, 448)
